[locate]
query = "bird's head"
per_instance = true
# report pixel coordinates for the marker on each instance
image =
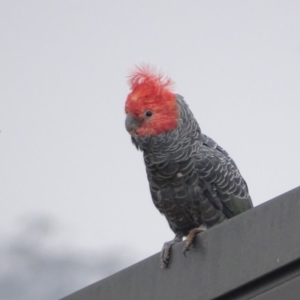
(151, 106)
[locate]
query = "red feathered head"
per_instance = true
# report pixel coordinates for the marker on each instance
(151, 102)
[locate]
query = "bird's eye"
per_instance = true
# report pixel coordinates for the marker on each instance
(148, 113)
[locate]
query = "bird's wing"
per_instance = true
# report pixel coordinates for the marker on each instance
(223, 183)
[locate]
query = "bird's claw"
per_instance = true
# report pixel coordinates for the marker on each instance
(191, 237)
(185, 249)
(165, 254)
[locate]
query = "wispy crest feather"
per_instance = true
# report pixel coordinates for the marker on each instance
(147, 78)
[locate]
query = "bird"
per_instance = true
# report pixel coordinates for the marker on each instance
(193, 181)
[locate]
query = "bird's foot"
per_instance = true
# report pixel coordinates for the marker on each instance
(191, 237)
(166, 251)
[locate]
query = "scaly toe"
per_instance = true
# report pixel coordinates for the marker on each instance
(165, 255)
(191, 237)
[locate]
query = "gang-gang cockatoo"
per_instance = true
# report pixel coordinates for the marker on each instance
(193, 182)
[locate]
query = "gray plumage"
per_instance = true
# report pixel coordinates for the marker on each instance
(193, 181)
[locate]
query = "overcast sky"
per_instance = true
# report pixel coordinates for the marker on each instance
(64, 151)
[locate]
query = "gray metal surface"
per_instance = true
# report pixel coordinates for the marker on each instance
(288, 290)
(226, 257)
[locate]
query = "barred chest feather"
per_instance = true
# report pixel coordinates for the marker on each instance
(171, 166)
(171, 161)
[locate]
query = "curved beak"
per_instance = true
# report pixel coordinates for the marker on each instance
(132, 124)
